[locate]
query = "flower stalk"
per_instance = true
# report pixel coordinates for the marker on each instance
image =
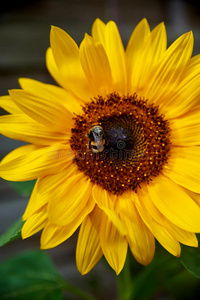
(125, 283)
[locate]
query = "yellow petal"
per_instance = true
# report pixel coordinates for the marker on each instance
(64, 49)
(88, 249)
(45, 111)
(45, 186)
(116, 55)
(8, 104)
(99, 31)
(33, 204)
(140, 239)
(137, 40)
(96, 66)
(194, 196)
(193, 65)
(53, 69)
(183, 167)
(185, 237)
(192, 70)
(52, 92)
(20, 151)
(106, 203)
(186, 129)
(150, 54)
(167, 74)
(108, 35)
(53, 235)
(160, 233)
(72, 201)
(22, 127)
(134, 49)
(30, 162)
(186, 94)
(179, 101)
(174, 204)
(35, 223)
(66, 55)
(113, 244)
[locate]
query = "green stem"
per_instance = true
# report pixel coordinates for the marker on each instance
(74, 290)
(125, 282)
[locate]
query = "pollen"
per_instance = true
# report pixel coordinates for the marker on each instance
(133, 147)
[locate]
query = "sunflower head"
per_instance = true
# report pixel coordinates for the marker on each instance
(114, 147)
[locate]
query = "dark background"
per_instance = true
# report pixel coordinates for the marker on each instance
(24, 38)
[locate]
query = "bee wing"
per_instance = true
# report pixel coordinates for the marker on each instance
(99, 143)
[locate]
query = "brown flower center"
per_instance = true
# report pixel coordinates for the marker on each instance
(120, 142)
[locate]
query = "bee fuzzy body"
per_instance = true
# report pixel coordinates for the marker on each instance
(96, 139)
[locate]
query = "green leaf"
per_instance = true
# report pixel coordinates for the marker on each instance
(24, 188)
(152, 278)
(182, 286)
(190, 258)
(12, 233)
(30, 276)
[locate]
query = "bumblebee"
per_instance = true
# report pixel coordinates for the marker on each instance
(96, 139)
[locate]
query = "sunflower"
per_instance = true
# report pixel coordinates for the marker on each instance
(114, 147)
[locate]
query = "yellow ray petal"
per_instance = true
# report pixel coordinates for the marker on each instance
(186, 94)
(140, 239)
(35, 223)
(186, 129)
(134, 49)
(106, 203)
(88, 249)
(99, 31)
(167, 74)
(137, 40)
(66, 55)
(183, 167)
(33, 204)
(8, 104)
(53, 235)
(160, 233)
(185, 237)
(192, 69)
(51, 93)
(45, 186)
(64, 49)
(179, 100)
(45, 111)
(30, 162)
(194, 196)
(71, 201)
(174, 204)
(53, 69)
(116, 55)
(96, 66)
(151, 53)
(113, 244)
(20, 151)
(22, 127)
(165, 238)
(193, 64)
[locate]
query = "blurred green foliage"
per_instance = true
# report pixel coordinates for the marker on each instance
(30, 276)
(12, 233)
